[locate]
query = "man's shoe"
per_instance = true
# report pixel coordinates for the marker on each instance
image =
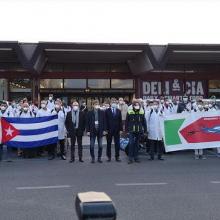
(63, 157)
(137, 161)
(118, 160)
(151, 159)
(130, 161)
(99, 161)
(109, 160)
(72, 161)
(93, 160)
(81, 161)
(51, 157)
(160, 158)
(196, 157)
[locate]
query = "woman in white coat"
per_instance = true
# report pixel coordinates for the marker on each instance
(58, 110)
(154, 119)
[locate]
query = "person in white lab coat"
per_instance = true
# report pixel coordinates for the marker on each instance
(153, 119)
(25, 112)
(5, 112)
(42, 112)
(50, 102)
(198, 152)
(58, 110)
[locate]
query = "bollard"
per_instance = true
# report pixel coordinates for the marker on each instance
(94, 205)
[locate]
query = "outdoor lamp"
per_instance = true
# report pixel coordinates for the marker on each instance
(94, 205)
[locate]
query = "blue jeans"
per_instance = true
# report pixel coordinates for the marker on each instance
(133, 145)
(92, 145)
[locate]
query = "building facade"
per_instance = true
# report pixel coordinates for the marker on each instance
(101, 71)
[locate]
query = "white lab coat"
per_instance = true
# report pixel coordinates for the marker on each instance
(61, 123)
(6, 114)
(43, 112)
(27, 114)
(154, 121)
(50, 104)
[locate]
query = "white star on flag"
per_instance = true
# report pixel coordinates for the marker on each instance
(9, 132)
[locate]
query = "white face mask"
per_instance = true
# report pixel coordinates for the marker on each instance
(25, 109)
(57, 106)
(162, 101)
(75, 108)
(136, 107)
(3, 108)
(121, 102)
(155, 107)
(114, 105)
(185, 99)
(200, 107)
(50, 98)
(210, 105)
(43, 105)
(96, 106)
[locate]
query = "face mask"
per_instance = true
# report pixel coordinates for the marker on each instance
(114, 105)
(43, 105)
(206, 106)
(3, 108)
(83, 104)
(25, 109)
(57, 106)
(185, 99)
(210, 105)
(137, 107)
(155, 107)
(167, 103)
(75, 108)
(50, 98)
(96, 106)
(200, 106)
(120, 102)
(162, 101)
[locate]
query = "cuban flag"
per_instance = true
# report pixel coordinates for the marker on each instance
(29, 132)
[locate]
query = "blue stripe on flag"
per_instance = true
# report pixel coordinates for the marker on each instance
(38, 131)
(31, 120)
(32, 144)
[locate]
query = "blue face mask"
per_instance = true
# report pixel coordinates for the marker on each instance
(114, 105)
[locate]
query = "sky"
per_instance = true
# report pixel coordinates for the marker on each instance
(112, 21)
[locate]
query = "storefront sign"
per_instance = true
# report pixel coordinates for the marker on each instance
(173, 88)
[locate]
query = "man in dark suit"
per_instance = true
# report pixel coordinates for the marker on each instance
(96, 128)
(75, 125)
(114, 128)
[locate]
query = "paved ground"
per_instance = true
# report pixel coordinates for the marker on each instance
(179, 188)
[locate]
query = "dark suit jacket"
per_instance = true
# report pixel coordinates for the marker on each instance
(81, 127)
(90, 122)
(113, 122)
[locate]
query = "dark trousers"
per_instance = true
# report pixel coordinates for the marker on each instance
(156, 146)
(116, 137)
(93, 137)
(62, 147)
(1, 151)
(133, 145)
(73, 143)
(51, 149)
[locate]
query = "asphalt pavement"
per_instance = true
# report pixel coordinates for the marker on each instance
(179, 188)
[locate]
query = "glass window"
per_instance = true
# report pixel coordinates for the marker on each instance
(20, 85)
(51, 83)
(75, 83)
(122, 68)
(122, 83)
(214, 84)
(99, 83)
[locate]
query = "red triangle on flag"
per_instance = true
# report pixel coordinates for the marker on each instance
(8, 131)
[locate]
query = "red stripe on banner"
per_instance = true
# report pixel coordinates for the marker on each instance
(202, 130)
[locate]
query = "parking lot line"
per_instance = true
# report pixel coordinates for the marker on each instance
(140, 184)
(43, 187)
(215, 182)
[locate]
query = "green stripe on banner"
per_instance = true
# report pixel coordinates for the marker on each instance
(171, 128)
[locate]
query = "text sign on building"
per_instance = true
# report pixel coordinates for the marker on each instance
(175, 87)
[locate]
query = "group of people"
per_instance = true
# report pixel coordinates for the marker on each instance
(111, 120)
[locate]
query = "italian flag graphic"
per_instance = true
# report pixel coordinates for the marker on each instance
(191, 131)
